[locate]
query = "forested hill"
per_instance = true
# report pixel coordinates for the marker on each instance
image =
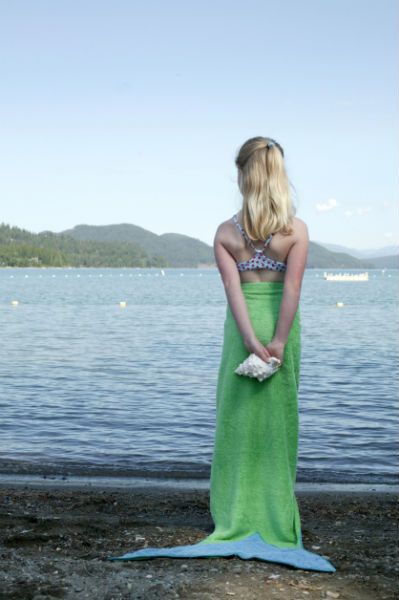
(183, 251)
(21, 248)
(177, 249)
(127, 245)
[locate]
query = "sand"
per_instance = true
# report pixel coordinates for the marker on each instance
(55, 540)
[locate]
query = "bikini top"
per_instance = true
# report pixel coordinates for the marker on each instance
(259, 260)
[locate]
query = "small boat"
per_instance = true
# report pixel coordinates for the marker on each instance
(346, 276)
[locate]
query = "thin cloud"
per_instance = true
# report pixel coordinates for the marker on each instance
(363, 210)
(360, 210)
(329, 205)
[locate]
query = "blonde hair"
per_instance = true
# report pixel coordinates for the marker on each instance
(267, 204)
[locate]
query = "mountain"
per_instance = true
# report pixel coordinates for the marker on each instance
(371, 253)
(178, 250)
(385, 262)
(183, 251)
(128, 245)
(21, 248)
(321, 258)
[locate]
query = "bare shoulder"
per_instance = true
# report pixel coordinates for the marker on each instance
(299, 224)
(300, 228)
(223, 230)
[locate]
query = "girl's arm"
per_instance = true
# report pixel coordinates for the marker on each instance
(296, 264)
(232, 285)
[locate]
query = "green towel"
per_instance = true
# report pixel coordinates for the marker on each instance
(255, 451)
(252, 497)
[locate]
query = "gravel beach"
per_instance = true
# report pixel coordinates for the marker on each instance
(55, 542)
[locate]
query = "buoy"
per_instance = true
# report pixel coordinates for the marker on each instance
(122, 304)
(339, 304)
(14, 302)
(162, 272)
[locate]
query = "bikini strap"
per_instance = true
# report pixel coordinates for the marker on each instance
(242, 231)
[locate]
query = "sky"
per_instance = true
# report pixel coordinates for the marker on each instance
(133, 112)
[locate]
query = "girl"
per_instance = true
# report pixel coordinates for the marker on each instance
(261, 254)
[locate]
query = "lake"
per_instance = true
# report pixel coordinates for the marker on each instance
(90, 387)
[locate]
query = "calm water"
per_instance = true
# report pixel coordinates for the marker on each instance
(95, 388)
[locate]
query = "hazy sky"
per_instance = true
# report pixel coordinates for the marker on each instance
(132, 112)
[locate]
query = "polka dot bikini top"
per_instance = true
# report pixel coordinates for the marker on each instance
(259, 260)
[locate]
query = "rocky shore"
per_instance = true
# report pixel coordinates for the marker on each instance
(55, 543)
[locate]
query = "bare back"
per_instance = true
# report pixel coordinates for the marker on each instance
(279, 248)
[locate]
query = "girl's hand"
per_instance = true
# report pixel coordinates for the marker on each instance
(276, 348)
(254, 346)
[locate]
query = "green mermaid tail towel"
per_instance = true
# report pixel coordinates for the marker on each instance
(252, 485)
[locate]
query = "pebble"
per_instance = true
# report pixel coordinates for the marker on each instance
(332, 594)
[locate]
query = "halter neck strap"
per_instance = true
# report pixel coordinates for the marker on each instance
(244, 234)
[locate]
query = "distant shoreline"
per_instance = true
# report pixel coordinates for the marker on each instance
(126, 268)
(202, 267)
